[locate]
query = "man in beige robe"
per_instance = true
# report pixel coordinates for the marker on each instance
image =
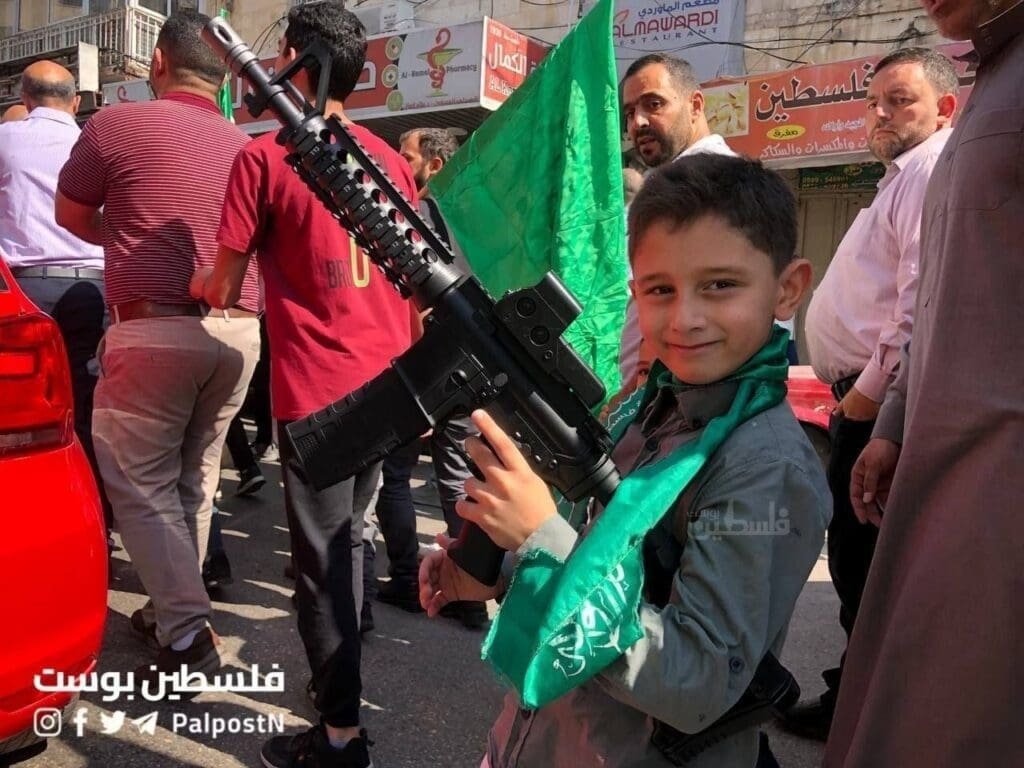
(935, 670)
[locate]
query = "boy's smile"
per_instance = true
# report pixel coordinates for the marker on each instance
(707, 297)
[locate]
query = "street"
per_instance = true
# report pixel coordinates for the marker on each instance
(428, 700)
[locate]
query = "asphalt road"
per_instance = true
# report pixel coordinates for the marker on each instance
(428, 700)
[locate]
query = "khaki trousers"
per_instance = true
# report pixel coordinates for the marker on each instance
(168, 389)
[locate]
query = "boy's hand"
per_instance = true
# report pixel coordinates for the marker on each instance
(443, 582)
(871, 479)
(511, 502)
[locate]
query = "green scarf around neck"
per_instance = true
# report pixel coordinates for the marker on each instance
(561, 623)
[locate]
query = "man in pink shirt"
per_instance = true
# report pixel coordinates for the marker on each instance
(862, 312)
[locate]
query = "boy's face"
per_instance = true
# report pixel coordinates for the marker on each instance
(707, 297)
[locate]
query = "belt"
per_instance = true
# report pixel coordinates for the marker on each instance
(144, 308)
(79, 273)
(843, 386)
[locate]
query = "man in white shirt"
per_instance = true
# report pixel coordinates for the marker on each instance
(664, 112)
(62, 274)
(862, 312)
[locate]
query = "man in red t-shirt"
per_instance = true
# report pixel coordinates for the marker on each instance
(334, 322)
(173, 374)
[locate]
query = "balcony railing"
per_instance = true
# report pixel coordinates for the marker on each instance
(125, 35)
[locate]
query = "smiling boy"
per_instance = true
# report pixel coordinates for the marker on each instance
(660, 611)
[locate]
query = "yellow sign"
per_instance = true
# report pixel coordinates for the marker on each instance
(786, 132)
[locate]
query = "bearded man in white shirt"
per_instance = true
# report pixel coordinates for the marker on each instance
(861, 314)
(664, 111)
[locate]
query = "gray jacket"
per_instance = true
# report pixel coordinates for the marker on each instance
(763, 508)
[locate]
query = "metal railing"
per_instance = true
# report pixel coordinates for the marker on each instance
(126, 33)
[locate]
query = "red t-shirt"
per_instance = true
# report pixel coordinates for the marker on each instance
(159, 169)
(333, 319)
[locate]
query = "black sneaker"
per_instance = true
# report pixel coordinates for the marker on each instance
(400, 594)
(249, 481)
(810, 719)
(202, 656)
(143, 631)
(312, 750)
(472, 613)
(217, 571)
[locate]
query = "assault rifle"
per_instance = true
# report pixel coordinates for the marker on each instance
(507, 357)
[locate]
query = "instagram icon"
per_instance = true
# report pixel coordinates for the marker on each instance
(46, 722)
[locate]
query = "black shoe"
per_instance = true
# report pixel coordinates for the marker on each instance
(143, 631)
(249, 481)
(811, 719)
(472, 613)
(217, 571)
(312, 750)
(366, 618)
(400, 594)
(202, 656)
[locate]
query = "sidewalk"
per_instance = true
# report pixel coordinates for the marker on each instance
(428, 700)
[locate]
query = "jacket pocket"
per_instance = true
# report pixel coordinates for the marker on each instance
(986, 166)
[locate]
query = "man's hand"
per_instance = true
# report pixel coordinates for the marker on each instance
(198, 283)
(511, 502)
(871, 479)
(857, 407)
(443, 582)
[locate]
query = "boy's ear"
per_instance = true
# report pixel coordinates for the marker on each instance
(794, 282)
(632, 289)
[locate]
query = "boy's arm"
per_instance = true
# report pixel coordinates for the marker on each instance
(744, 564)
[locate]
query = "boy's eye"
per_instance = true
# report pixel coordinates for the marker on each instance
(721, 285)
(658, 290)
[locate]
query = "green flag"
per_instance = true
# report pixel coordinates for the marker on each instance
(224, 94)
(538, 187)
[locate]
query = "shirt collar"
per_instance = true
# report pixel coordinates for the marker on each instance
(994, 34)
(901, 161)
(57, 115)
(695, 405)
(191, 98)
(712, 143)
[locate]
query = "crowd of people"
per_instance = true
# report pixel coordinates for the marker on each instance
(174, 253)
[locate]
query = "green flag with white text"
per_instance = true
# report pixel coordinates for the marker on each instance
(538, 187)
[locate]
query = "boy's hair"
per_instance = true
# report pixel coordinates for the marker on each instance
(434, 142)
(342, 33)
(938, 70)
(742, 192)
(680, 72)
(187, 54)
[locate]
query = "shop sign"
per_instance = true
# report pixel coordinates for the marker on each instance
(808, 112)
(855, 177)
(683, 28)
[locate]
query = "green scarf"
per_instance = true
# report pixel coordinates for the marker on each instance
(561, 623)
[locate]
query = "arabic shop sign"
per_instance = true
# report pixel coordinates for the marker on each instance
(509, 58)
(842, 178)
(809, 112)
(684, 28)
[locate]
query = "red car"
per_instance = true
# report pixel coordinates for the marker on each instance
(812, 402)
(53, 554)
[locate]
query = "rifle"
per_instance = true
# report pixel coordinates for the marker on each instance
(507, 357)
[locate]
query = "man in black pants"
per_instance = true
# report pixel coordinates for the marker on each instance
(334, 323)
(60, 273)
(426, 150)
(861, 313)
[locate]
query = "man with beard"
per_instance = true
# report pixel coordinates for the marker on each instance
(862, 312)
(933, 675)
(664, 112)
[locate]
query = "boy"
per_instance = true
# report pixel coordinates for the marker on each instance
(722, 560)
